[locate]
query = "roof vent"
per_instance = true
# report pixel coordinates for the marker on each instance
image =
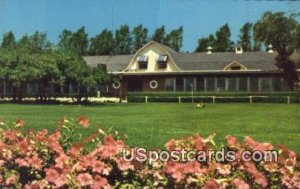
(238, 50)
(209, 48)
(270, 48)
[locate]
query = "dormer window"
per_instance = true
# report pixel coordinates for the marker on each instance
(162, 61)
(142, 62)
(235, 67)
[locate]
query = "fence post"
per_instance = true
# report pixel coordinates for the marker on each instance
(214, 99)
(250, 97)
(146, 99)
(179, 99)
(288, 99)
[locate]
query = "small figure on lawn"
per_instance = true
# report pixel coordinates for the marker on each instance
(200, 105)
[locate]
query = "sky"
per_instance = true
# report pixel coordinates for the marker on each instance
(199, 18)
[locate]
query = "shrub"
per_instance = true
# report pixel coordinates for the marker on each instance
(36, 159)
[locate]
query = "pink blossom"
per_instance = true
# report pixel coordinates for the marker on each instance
(98, 166)
(231, 141)
(20, 123)
(85, 179)
(61, 181)
(99, 182)
(211, 184)
(51, 175)
(223, 169)
(22, 162)
(35, 162)
(11, 180)
(199, 142)
(61, 161)
(82, 120)
(170, 145)
(240, 184)
(124, 165)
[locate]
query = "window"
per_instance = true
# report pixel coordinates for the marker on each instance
(189, 84)
(162, 61)
(232, 84)
(210, 84)
(235, 67)
(169, 84)
(179, 84)
(221, 84)
(142, 62)
(200, 84)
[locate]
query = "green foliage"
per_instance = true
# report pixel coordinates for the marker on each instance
(245, 36)
(223, 42)
(123, 40)
(159, 35)
(204, 43)
(8, 41)
(280, 31)
(102, 44)
(139, 37)
(174, 39)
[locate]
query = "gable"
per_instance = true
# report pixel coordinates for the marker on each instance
(235, 65)
(154, 53)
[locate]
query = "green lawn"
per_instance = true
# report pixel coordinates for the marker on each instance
(151, 125)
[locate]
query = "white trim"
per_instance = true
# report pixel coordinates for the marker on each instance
(235, 62)
(155, 84)
(116, 86)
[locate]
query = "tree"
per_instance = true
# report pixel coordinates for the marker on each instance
(280, 31)
(64, 43)
(76, 42)
(223, 42)
(159, 35)
(245, 36)
(203, 43)
(174, 39)
(102, 44)
(35, 43)
(79, 41)
(123, 40)
(8, 41)
(139, 37)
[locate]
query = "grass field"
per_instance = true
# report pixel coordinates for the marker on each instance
(151, 125)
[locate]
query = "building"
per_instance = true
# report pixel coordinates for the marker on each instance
(156, 67)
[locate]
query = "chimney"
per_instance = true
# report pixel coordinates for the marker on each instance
(270, 48)
(209, 48)
(238, 49)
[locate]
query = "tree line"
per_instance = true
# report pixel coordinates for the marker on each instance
(122, 41)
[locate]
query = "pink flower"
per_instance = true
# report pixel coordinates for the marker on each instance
(256, 146)
(61, 181)
(98, 166)
(211, 184)
(82, 120)
(20, 123)
(124, 165)
(51, 175)
(170, 145)
(223, 169)
(240, 184)
(85, 179)
(99, 182)
(35, 162)
(61, 161)
(11, 135)
(11, 180)
(199, 142)
(22, 162)
(231, 141)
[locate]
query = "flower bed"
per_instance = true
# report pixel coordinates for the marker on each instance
(38, 159)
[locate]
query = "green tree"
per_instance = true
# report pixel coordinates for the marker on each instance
(223, 42)
(174, 39)
(35, 43)
(76, 42)
(64, 43)
(123, 40)
(280, 31)
(245, 36)
(159, 35)
(102, 44)
(8, 41)
(80, 42)
(139, 37)
(203, 43)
